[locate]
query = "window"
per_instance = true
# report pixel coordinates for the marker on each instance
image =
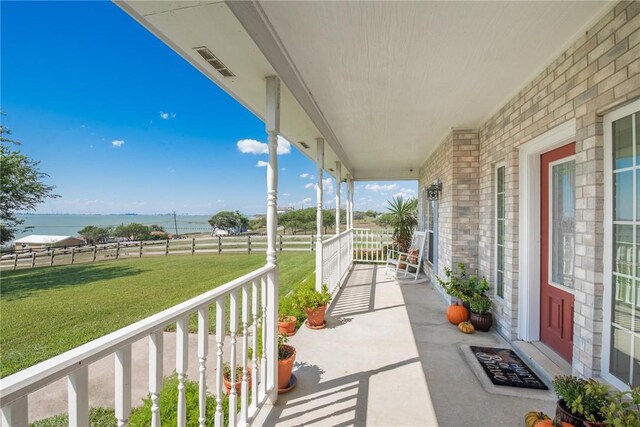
(622, 327)
(499, 230)
(431, 227)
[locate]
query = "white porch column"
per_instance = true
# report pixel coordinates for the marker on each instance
(338, 186)
(319, 214)
(272, 121)
(352, 205)
(349, 202)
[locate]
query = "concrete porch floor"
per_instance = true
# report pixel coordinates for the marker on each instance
(389, 357)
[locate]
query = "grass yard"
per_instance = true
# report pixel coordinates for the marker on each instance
(47, 311)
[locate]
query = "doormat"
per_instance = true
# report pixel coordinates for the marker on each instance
(504, 367)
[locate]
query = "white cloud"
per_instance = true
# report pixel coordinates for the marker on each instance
(252, 146)
(283, 169)
(328, 185)
(408, 190)
(309, 185)
(261, 164)
(307, 200)
(286, 194)
(379, 188)
(403, 194)
(220, 201)
(167, 116)
(306, 175)
(117, 143)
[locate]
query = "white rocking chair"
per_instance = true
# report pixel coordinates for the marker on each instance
(403, 261)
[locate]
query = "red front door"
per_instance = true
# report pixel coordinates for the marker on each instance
(557, 242)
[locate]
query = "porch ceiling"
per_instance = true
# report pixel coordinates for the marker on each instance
(382, 82)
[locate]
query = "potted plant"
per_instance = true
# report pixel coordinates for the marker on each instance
(286, 357)
(480, 317)
(226, 377)
(314, 303)
(287, 324)
(575, 404)
(622, 408)
(461, 286)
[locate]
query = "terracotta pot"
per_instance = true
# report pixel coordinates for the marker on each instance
(481, 322)
(238, 383)
(287, 327)
(564, 414)
(285, 366)
(315, 316)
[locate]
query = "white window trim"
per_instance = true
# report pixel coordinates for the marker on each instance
(529, 226)
(427, 210)
(608, 240)
(550, 230)
(497, 166)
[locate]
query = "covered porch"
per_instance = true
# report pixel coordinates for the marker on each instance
(369, 91)
(390, 357)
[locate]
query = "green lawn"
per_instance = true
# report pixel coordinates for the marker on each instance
(46, 311)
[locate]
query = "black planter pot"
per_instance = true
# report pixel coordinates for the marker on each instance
(564, 414)
(481, 322)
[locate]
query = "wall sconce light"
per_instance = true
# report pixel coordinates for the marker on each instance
(433, 191)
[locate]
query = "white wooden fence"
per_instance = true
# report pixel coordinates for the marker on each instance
(252, 301)
(138, 249)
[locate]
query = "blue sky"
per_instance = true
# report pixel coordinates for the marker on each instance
(123, 124)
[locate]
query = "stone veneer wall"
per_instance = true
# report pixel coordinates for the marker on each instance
(598, 73)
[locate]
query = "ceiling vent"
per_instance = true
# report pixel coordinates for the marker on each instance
(214, 61)
(304, 144)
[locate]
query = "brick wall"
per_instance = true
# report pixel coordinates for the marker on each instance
(598, 73)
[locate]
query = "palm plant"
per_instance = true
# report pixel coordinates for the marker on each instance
(403, 217)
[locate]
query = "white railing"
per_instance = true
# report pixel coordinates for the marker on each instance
(337, 257)
(369, 246)
(252, 309)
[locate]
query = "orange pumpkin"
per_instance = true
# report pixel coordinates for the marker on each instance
(551, 423)
(466, 327)
(457, 313)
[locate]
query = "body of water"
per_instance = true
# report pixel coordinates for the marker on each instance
(71, 224)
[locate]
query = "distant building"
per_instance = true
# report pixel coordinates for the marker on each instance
(37, 242)
(282, 210)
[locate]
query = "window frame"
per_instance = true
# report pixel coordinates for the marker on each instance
(607, 323)
(497, 167)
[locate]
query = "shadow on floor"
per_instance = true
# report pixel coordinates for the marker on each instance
(347, 394)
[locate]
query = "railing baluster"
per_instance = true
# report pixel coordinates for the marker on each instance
(263, 322)
(203, 349)
(156, 345)
(182, 357)
(16, 413)
(78, 400)
(123, 385)
(244, 388)
(233, 329)
(220, 333)
(256, 371)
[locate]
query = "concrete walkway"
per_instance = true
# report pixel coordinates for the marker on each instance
(389, 357)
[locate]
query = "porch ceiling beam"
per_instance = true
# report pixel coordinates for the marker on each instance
(257, 25)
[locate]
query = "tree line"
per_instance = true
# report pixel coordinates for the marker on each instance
(96, 234)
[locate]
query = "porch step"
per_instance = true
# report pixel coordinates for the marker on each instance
(542, 360)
